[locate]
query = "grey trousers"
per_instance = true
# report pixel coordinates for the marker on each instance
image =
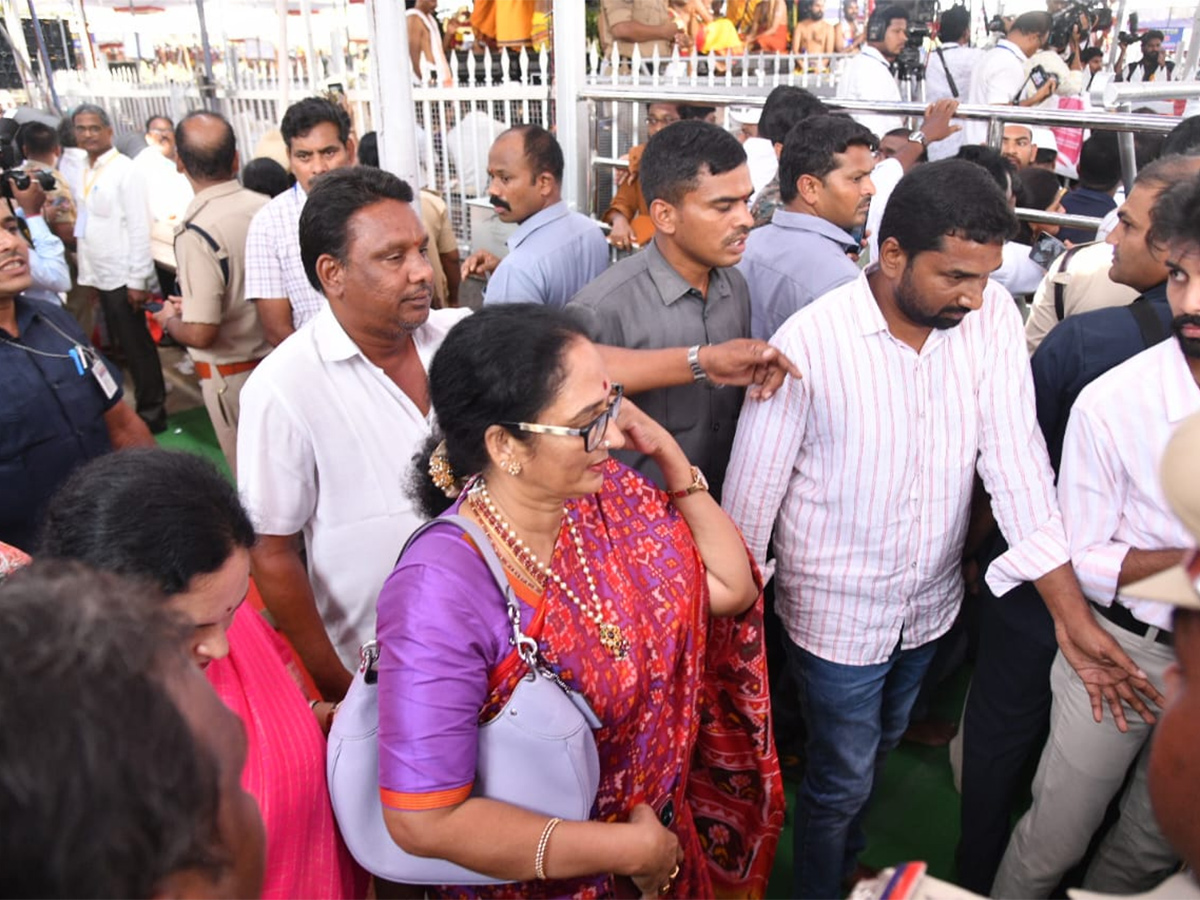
(1082, 767)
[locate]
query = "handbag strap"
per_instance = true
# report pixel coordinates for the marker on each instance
(526, 647)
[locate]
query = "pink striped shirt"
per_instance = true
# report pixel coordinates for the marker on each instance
(1108, 488)
(864, 469)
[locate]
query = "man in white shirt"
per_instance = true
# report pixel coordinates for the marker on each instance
(317, 134)
(948, 71)
(112, 231)
(915, 377)
(868, 75)
(1120, 530)
(1000, 73)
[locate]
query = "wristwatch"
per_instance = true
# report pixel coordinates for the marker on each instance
(918, 137)
(699, 483)
(698, 373)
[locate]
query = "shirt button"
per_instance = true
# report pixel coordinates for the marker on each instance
(716, 426)
(914, 565)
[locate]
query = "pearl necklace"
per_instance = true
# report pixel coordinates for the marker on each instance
(611, 637)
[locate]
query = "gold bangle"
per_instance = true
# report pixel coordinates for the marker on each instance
(539, 861)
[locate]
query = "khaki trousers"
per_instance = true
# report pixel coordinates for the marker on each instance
(222, 399)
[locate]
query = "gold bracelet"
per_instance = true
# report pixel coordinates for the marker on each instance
(539, 861)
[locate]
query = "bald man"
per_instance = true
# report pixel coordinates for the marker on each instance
(212, 318)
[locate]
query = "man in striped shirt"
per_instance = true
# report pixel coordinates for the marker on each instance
(1120, 530)
(915, 376)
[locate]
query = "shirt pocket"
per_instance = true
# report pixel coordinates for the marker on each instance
(102, 202)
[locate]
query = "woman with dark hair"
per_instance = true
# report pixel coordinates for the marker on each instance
(171, 519)
(643, 600)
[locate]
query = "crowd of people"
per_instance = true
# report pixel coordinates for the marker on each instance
(735, 489)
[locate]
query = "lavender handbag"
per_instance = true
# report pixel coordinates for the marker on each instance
(538, 752)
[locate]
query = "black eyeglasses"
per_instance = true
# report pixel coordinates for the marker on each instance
(592, 433)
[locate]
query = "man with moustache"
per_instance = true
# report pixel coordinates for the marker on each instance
(554, 252)
(61, 400)
(682, 288)
(1018, 145)
(332, 418)
(1120, 530)
(805, 251)
(915, 378)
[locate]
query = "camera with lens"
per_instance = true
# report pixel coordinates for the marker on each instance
(922, 16)
(1068, 22)
(1125, 38)
(10, 160)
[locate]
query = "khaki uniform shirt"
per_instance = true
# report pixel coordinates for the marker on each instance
(224, 211)
(645, 12)
(436, 219)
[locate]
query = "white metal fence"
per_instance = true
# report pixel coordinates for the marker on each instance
(459, 123)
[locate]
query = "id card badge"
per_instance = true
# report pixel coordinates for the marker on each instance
(81, 219)
(104, 378)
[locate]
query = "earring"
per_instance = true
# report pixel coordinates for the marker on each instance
(513, 468)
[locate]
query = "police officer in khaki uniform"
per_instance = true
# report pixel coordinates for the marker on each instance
(212, 319)
(646, 23)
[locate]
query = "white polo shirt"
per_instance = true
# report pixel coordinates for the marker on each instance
(325, 444)
(868, 76)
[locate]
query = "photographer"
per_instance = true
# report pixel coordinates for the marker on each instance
(47, 258)
(999, 77)
(948, 70)
(868, 76)
(1153, 66)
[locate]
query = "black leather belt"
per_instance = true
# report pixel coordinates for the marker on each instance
(1123, 618)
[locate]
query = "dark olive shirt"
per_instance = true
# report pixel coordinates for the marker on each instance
(642, 303)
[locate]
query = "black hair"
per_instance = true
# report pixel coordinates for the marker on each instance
(691, 111)
(881, 20)
(36, 139)
(1147, 147)
(1100, 162)
(154, 118)
(335, 198)
(1032, 23)
(1183, 139)
(66, 132)
(951, 197)
(1175, 216)
(1090, 53)
(305, 115)
(91, 109)
(542, 150)
(785, 106)
(105, 790)
(502, 364)
(997, 166)
(1036, 188)
(675, 158)
(162, 515)
(265, 176)
(1152, 34)
(206, 161)
(811, 146)
(368, 149)
(954, 22)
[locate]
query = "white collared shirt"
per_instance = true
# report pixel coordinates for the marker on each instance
(325, 442)
(1108, 485)
(961, 61)
(168, 192)
(864, 469)
(997, 78)
(273, 264)
(868, 76)
(113, 228)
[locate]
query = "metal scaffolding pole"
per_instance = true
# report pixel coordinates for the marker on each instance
(392, 91)
(570, 39)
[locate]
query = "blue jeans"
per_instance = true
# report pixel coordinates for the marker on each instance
(855, 716)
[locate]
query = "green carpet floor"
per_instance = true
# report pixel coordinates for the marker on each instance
(914, 815)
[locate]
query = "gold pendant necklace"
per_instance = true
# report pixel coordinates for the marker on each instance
(612, 639)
